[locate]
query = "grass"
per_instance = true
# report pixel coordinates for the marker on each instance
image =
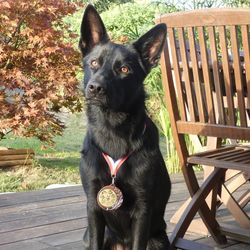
(59, 164)
(36, 177)
(69, 142)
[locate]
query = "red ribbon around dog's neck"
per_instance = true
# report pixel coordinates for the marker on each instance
(114, 165)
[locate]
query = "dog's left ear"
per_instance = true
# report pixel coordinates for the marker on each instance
(93, 30)
(151, 44)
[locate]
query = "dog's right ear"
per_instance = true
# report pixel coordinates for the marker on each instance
(93, 30)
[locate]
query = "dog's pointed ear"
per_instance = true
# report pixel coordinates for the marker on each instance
(150, 45)
(93, 30)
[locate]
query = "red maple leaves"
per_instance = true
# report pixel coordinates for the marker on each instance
(38, 67)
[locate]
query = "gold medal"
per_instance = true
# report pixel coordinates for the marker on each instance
(110, 197)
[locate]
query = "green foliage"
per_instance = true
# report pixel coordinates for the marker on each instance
(237, 3)
(104, 5)
(128, 21)
(171, 159)
(205, 4)
(192, 4)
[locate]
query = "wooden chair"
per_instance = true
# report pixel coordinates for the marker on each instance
(206, 77)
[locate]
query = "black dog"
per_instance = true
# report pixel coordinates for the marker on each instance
(129, 213)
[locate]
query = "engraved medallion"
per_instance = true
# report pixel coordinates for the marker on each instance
(110, 197)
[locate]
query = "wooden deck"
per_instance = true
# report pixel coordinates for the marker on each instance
(55, 219)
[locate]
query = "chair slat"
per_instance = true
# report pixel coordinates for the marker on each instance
(246, 49)
(186, 73)
(223, 154)
(219, 131)
(171, 103)
(206, 75)
(226, 75)
(207, 153)
(177, 74)
(236, 153)
(241, 156)
(238, 76)
(207, 17)
(215, 67)
(219, 163)
(197, 80)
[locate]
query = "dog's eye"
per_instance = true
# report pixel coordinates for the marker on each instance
(94, 63)
(124, 69)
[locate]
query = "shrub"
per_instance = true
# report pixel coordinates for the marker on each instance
(132, 19)
(237, 3)
(104, 5)
(38, 67)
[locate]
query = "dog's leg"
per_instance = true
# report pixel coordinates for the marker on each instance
(86, 243)
(140, 229)
(159, 243)
(93, 238)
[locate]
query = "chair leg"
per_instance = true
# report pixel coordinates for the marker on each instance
(240, 179)
(205, 213)
(244, 199)
(235, 209)
(198, 202)
(235, 184)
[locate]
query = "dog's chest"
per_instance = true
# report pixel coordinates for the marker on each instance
(110, 133)
(111, 143)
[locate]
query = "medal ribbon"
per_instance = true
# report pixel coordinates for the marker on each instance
(114, 165)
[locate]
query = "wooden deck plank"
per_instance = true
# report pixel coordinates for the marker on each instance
(13, 199)
(70, 246)
(55, 219)
(239, 246)
(64, 239)
(31, 222)
(40, 212)
(39, 204)
(45, 230)
(25, 245)
(208, 241)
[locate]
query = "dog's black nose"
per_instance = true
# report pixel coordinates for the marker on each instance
(95, 89)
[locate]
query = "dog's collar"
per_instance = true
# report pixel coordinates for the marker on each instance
(115, 165)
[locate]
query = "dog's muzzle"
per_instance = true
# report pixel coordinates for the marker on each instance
(95, 90)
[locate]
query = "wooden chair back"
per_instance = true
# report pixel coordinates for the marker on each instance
(206, 73)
